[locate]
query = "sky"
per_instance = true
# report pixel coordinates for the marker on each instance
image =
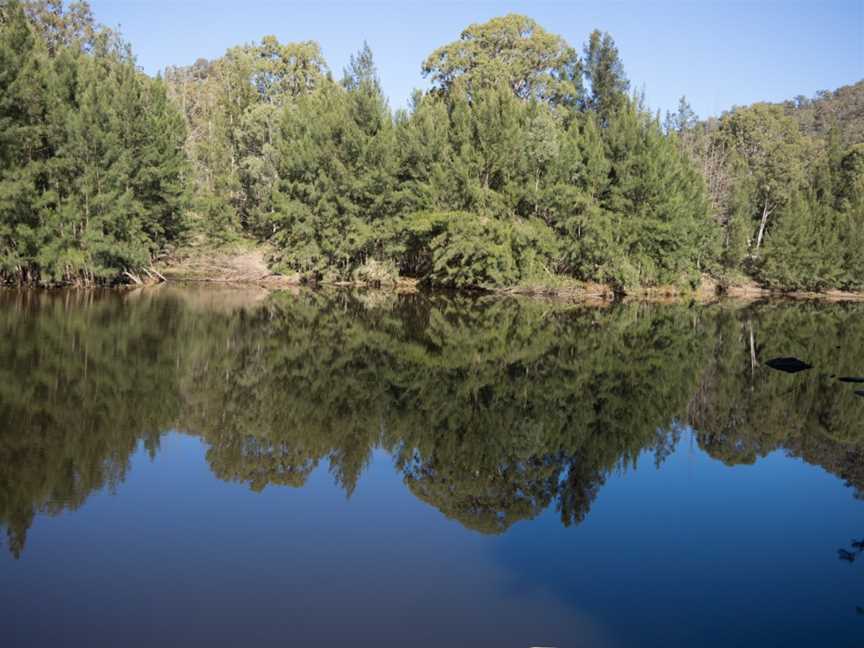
(717, 53)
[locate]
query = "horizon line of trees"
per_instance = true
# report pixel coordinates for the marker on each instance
(526, 162)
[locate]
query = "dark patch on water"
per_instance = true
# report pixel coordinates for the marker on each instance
(789, 365)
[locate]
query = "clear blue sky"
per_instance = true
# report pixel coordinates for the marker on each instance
(718, 53)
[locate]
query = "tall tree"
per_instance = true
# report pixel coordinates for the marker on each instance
(514, 50)
(336, 173)
(773, 152)
(233, 108)
(92, 183)
(604, 71)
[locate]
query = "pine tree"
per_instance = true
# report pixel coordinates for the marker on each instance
(660, 207)
(571, 202)
(25, 151)
(93, 184)
(605, 72)
(336, 174)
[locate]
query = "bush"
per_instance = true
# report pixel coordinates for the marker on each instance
(462, 250)
(376, 273)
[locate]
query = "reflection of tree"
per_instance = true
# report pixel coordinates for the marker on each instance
(82, 380)
(493, 409)
(741, 414)
(850, 555)
(856, 548)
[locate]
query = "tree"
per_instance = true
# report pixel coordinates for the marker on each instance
(772, 151)
(93, 180)
(24, 74)
(233, 107)
(336, 178)
(661, 225)
(841, 109)
(63, 24)
(683, 120)
(513, 50)
(504, 172)
(604, 71)
(572, 202)
(361, 71)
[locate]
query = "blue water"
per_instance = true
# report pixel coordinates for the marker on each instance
(693, 552)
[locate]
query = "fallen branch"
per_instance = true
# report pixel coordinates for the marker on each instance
(155, 275)
(135, 279)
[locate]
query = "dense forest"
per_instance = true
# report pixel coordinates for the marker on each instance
(526, 163)
(492, 409)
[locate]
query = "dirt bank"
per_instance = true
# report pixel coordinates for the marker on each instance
(246, 263)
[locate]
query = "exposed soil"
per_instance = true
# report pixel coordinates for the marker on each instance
(240, 265)
(246, 263)
(752, 291)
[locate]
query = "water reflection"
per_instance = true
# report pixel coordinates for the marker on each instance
(492, 409)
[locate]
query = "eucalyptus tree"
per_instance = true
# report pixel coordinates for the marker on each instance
(233, 107)
(513, 50)
(773, 152)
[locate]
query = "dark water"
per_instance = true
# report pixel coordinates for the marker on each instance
(206, 467)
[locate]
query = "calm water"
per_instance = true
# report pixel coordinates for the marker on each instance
(216, 467)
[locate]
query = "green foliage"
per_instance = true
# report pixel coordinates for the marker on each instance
(462, 250)
(661, 226)
(336, 179)
(506, 171)
(91, 169)
(512, 50)
(815, 247)
(842, 109)
(788, 205)
(800, 196)
(604, 70)
(233, 109)
(774, 153)
(620, 203)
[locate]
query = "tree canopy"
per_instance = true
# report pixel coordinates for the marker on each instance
(513, 50)
(91, 153)
(525, 164)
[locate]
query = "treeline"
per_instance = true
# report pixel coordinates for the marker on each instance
(509, 170)
(842, 108)
(92, 169)
(527, 162)
(491, 409)
(787, 192)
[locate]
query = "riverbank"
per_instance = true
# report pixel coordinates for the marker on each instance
(245, 263)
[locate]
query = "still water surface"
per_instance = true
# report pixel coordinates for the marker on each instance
(216, 467)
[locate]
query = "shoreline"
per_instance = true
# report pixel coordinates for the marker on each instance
(577, 292)
(246, 265)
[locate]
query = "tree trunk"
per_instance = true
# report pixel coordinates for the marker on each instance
(753, 362)
(765, 213)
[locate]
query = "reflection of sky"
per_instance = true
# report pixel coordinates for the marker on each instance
(181, 556)
(697, 549)
(698, 553)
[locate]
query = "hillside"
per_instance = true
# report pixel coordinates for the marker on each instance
(843, 107)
